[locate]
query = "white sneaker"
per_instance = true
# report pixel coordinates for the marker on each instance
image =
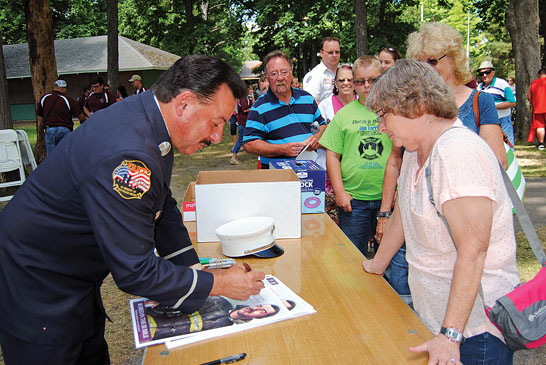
(540, 147)
(234, 161)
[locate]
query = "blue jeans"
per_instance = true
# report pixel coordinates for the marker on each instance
(506, 125)
(239, 143)
(359, 224)
(53, 136)
(397, 275)
(233, 125)
(486, 349)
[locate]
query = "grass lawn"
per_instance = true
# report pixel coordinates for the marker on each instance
(119, 334)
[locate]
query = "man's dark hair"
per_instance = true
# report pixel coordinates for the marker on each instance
(97, 80)
(86, 88)
(542, 71)
(275, 54)
(328, 39)
(200, 74)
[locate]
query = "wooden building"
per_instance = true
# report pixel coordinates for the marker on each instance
(78, 61)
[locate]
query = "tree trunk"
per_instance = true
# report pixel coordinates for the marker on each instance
(5, 116)
(190, 21)
(113, 52)
(542, 15)
(361, 26)
(522, 21)
(41, 51)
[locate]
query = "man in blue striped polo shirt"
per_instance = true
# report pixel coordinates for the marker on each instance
(503, 95)
(284, 120)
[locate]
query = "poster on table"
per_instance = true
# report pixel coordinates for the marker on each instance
(154, 323)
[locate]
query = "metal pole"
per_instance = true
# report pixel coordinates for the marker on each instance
(468, 41)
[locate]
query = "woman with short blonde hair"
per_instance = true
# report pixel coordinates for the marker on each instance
(448, 170)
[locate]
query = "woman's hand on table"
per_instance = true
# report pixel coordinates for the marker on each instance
(370, 267)
(440, 351)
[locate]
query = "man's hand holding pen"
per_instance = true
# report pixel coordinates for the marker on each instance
(237, 282)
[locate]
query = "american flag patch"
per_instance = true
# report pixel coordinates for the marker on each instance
(132, 179)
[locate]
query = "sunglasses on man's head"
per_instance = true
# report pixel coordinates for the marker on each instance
(485, 72)
(433, 61)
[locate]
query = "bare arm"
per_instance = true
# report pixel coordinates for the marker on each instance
(236, 282)
(393, 239)
(82, 117)
(492, 134)
(505, 105)
(266, 149)
(470, 220)
(314, 139)
(86, 111)
(333, 168)
(392, 171)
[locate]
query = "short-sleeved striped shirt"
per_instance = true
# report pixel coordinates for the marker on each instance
(276, 122)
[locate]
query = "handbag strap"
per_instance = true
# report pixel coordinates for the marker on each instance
(521, 212)
(476, 107)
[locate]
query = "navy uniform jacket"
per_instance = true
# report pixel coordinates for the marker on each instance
(99, 203)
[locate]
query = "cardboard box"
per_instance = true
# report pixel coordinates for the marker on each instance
(224, 196)
(313, 182)
(188, 203)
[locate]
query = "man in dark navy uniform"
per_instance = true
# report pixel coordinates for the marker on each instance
(101, 203)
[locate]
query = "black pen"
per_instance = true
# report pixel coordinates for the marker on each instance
(227, 360)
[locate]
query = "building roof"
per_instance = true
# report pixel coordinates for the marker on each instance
(247, 71)
(89, 55)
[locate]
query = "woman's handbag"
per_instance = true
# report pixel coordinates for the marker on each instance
(521, 314)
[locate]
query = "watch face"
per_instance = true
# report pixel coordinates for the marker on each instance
(452, 334)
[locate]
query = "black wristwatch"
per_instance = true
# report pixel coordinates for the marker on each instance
(383, 215)
(453, 334)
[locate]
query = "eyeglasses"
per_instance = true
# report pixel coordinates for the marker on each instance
(390, 49)
(95, 86)
(341, 81)
(433, 61)
(485, 72)
(380, 114)
(276, 74)
(363, 82)
(331, 53)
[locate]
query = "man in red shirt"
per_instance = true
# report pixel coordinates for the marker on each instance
(537, 98)
(57, 109)
(99, 98)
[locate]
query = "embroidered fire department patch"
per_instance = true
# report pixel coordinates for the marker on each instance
(132, 179)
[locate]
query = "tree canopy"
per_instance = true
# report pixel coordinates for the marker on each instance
(236, 30)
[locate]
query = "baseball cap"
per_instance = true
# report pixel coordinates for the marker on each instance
(135, 77)
(486, 64)
(60, 83)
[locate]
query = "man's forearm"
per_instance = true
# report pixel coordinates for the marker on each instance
(265, 149)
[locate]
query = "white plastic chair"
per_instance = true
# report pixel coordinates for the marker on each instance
(26, 149)
(10, 159)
